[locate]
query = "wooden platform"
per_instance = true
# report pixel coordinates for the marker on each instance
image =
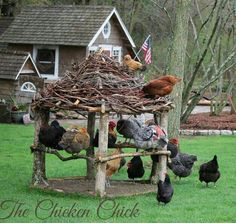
(83, 186)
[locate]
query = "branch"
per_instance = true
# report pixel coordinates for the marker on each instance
(167, 13)
(62, 158)
(144, 153)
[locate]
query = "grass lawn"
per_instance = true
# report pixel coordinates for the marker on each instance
(192, 201)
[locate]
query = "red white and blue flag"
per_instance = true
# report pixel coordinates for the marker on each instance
(146, 47)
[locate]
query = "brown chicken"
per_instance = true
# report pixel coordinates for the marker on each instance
(161, 86)
(73, 141)
(132, 64)
(112, 166)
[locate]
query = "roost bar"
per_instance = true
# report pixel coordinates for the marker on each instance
(97, 86)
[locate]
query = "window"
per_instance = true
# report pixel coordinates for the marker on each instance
(117, 53)
(109, 50)
(46, 59)
(106, 30)
(28, 87)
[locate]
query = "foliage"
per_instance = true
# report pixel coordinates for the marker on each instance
(192, 201)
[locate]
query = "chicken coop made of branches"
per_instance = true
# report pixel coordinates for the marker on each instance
(97, 87)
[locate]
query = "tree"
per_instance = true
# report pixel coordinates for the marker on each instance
(176, 63)
(214, 59)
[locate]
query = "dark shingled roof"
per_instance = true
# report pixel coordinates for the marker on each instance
(61, 25)
(11, 63)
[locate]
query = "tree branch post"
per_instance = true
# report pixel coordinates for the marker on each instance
(39, 172)
(162, 164)
(90, 151)
(102, 151)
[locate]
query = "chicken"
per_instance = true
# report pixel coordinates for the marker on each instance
(128, 127)
(132, 64)
(122, 162)
(73, 141)
(112, 136)
(112, 166)
(135, 168)
(209, 172)
(161, 86)
(51, 135)
(182, 164)
(172, 146)
(165, 190)
(148, 137)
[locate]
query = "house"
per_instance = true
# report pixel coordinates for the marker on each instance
(58, 36)
(19, 77)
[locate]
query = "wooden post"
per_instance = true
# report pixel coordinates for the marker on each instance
(39, 173)
(162, 164)
(90, 151)
(102, 151)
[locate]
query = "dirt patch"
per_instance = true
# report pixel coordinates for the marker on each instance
(84, 186)
(225, 121)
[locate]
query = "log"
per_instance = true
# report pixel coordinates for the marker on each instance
(102, 151)
(41, 117)
(90, 150)
(62, 158)
(144, 153)
(162, 164)
(159, 167)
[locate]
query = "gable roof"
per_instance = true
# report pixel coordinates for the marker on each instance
(60, 25)
(12, 63)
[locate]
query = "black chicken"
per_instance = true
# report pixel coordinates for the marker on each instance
(182, 164)
(51, 135)
(209, 172)
(135, 168)
(172, 146)
(165, 190)
(111, 135)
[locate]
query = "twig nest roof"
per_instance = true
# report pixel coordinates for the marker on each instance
(99, 80)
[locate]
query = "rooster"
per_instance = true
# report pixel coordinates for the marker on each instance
(209, 172)
(147, 137)
(128, 127)
(112, 136)
(135, 168)
(73, 141)
(165, 190)
(132, 64)
(161, 86)
(51, 135)
(112, 166)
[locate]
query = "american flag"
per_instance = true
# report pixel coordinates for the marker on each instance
(146, 47)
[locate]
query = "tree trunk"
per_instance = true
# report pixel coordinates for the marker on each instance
(177, 62)
(102, 151)
(233, 104)
(90, 151)
(39, 171)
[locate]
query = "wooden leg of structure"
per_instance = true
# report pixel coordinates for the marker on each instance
(162, 164)
(90, 151)
(153, 175)
(39, 172)
(102, 151)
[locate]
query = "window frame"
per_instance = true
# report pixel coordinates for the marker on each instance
(56, 67)
(24, 90)
(107, 35)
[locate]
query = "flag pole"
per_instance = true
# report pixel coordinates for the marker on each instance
(136, 55)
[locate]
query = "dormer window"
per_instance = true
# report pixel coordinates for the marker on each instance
(106, 30)
(28, 87)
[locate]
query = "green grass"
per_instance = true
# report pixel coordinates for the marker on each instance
(192, 201)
